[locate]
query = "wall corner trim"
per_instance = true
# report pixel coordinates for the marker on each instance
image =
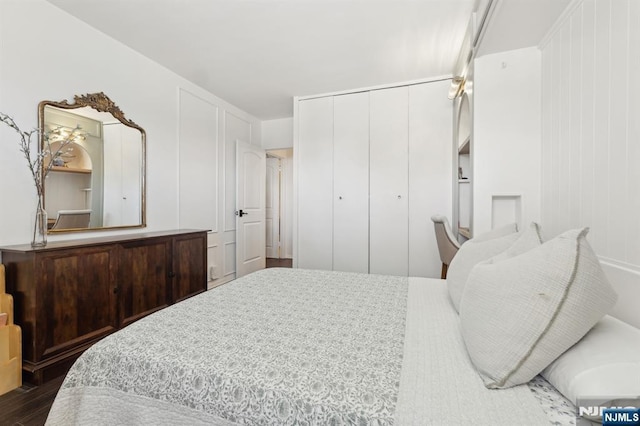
(564, 16)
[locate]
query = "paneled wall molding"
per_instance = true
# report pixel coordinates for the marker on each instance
(210, 163)
(198, 173)
(226, 225)
(207, 131)
(214, 270)
(229, 259)
(248, 138)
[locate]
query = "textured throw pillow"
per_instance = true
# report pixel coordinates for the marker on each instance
(496, 233)
(469, 254)
(606, 362)
(520, 314)
(528, 239)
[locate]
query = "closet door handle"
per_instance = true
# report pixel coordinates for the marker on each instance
(240, 213)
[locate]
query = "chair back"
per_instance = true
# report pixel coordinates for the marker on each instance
(72, 219)
(448, 245)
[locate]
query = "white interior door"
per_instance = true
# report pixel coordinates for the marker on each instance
(250, 208)
(351, 183)
(389, 182)
(272, 208)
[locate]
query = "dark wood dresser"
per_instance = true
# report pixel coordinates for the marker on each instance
(70, 294)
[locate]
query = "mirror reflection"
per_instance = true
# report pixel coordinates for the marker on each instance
(98, 181)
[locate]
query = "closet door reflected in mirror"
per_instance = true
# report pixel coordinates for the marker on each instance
(102, 172)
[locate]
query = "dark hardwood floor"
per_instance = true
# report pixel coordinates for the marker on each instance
(279, 263)
(30, 405)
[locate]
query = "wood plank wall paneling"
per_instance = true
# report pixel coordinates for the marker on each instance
(633, 147)
(591, 132)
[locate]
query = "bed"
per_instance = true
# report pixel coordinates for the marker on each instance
(290, 346)
(518, 334)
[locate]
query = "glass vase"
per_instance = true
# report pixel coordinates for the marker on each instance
(40, 226)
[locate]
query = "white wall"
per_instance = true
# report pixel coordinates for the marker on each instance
(506, 138)
(278, 133)
(47, 54)
(207, 137)
(591, 136)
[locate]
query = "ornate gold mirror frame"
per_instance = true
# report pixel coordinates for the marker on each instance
(104, 173)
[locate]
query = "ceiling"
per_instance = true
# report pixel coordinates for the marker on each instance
(258, 54)
(515, 24)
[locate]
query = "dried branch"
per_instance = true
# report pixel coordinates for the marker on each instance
(36, 163)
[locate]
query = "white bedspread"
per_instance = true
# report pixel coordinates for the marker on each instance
(292, 347)
(439, 385)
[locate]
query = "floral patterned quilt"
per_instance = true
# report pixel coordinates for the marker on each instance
(279, 346)
(297, 347)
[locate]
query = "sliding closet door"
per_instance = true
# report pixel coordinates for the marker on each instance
(315, 183)
(389, 128)
(351, 182)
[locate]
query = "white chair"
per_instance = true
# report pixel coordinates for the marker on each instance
(448, 245)
(72, 219)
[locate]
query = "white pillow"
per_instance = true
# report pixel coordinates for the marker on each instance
(519, 314)
(605, 363)
(496, 233)
(469, 254)
(528, 239)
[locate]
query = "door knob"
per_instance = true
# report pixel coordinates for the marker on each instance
(240, 213)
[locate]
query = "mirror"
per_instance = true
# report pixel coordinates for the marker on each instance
(98, 180)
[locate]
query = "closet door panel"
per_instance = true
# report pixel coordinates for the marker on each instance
(315, 183)
(388, 238)
(351, 183)
(430, 172)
